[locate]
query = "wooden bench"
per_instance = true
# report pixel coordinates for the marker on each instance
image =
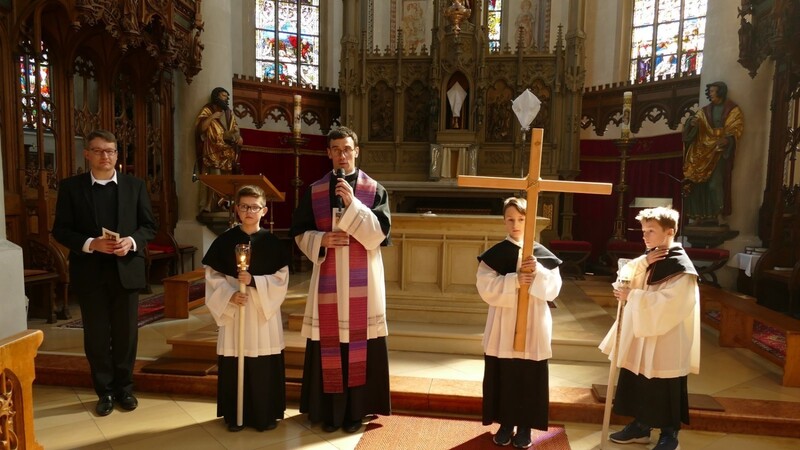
(46, 273)
(739, 315)
(177, 301)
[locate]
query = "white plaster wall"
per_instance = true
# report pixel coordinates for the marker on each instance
(189, 100)
(13, 317)
(607, 28)
(381, 26)
(333, 28)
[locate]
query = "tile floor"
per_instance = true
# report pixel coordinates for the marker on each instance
(64, 417)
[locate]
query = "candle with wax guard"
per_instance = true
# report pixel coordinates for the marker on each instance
(242, 262)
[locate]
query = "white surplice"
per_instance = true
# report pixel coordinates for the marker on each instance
(500, 292)
(263, 327)
(660, 326)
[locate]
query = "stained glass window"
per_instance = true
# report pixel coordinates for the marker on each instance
(667, 38)
(28, 86)
(287, 41)
(494, 9)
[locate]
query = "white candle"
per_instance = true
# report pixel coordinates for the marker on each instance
(627, 99)
(296, 128)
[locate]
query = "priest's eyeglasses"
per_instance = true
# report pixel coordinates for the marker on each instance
(250, 208)
(347, 151)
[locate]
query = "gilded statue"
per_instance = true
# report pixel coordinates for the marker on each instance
(710, 138)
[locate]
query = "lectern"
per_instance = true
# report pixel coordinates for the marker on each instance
(227, 186)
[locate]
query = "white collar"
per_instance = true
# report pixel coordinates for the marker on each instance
(103, 182)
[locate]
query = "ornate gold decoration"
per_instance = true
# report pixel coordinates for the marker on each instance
(457, 13)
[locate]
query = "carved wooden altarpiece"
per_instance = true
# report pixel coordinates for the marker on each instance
(397, 98)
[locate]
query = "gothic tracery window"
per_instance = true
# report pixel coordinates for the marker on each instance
(287, 41)
(494, 11)
(667, 38)
(34, 77)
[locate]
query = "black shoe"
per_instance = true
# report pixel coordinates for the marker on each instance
(523, 438)
(633, 432)
(329, 427)
(127, 401)
(503, 435)
(351, 427)
(105, 405)
(233, 427)
(270, 426)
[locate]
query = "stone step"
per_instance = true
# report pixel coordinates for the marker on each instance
(202, 345)
(463, 340)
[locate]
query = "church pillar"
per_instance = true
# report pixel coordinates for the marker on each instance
(750, 163)
(13, 319)
(190, 99)
(349, 78)
(569, 139)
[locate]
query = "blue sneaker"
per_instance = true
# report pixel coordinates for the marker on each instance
(668, 440)
(503, 435)
(632, 433)
(523, 438)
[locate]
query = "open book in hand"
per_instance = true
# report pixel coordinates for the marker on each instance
(108, 234)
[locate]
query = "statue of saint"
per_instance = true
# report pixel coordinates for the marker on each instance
(710, 138)
(218, 139)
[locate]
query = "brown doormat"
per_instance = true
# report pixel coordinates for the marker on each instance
(178, 366)
(435, 433)
(696, 401)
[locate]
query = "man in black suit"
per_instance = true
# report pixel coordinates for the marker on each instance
(106, 272)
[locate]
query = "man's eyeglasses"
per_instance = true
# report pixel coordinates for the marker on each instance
(251, 208)
(343, 151)
(100, 151)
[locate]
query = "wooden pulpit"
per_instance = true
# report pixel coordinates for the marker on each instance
(227, 186)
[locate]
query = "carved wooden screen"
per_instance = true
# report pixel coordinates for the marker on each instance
(72, 66)
(86, 108)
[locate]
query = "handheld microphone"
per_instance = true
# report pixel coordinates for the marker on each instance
(339, 201)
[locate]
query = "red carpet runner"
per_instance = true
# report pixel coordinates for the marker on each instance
(433, 433)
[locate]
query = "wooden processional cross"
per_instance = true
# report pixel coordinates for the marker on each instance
(533, 184)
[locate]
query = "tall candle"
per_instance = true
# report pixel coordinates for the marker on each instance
(627, 99)
(296, 128)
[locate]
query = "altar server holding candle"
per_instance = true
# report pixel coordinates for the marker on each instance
(265, 283)
(659, 342)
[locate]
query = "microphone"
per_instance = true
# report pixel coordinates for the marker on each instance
(339, 201)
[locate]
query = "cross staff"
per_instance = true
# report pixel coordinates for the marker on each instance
(532, 184)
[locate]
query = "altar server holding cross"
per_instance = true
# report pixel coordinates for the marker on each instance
(532, 185)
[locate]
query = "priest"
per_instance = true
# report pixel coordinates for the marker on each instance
(340, 225)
